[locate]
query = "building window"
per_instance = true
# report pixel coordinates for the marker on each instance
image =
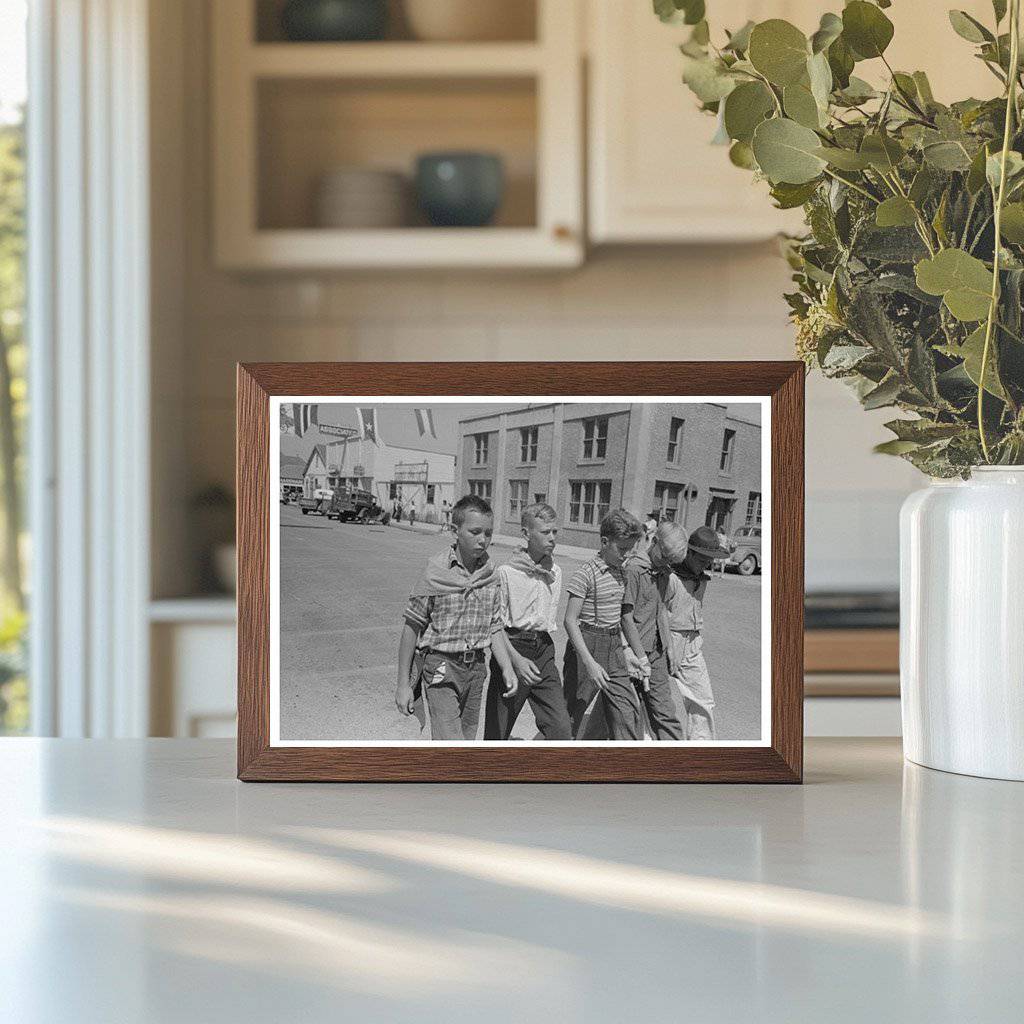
(392, 490)
(481, 449)
(589, 501)
(728, 448)
(518, 497)
(719, 516)
(430, 493)
(540, 497)
(675, 439)
(528, 444)
(754, 509)
(595, 438)
(481, 488)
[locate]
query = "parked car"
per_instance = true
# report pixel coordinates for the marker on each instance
(747, 554)
(318, 504)
(353, 503)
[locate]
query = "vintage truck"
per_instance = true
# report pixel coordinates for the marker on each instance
(343, 504)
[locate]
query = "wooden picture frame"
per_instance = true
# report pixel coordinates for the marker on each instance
(779, 759)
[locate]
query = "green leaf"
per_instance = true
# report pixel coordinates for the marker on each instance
(690, 12)
(924, 88)
(922, 185)
(739, 41)
(885, 394)
(779, 51)
(963, 281)
(895, 212)
(971, 352)
(999, 8)
(923, 431)
(976, 173)
(858, 91)
(882, 151)
(741, 155)
(993, 167)
(895, 447)
(841, 63)
(745, 108)
(1012, 224)
(786, 151)
(844, 159)
(866, 29)
(801, 106)
(829, 30)
(947, 156)
(969, 28)
(707, 78)
(819, 75)
(788, 196)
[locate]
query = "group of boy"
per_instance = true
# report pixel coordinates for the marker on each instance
(633, 619)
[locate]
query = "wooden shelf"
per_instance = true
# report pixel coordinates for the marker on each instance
(284, 114)
(392, 60)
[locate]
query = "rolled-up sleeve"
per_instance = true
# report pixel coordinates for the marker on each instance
(632, 587)
(417, 612)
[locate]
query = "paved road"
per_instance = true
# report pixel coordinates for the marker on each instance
(343, 588)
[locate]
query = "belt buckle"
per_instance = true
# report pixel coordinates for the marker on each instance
(468, 656)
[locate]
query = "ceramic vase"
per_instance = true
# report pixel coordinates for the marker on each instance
(962, 624)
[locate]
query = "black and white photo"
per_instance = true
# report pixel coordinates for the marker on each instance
(548, 570)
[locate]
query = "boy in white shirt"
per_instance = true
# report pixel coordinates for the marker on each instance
(530, 586)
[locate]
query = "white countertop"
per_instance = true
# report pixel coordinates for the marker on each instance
(140, 882)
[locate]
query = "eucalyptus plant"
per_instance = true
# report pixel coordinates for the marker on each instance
(910, 277)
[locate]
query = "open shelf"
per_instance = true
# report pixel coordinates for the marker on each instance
(287, 114)
(393, 60)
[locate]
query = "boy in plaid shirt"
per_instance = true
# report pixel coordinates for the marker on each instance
(452, 615)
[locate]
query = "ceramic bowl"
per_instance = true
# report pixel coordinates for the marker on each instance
(333, 21)
(470, 20)
(460, 189)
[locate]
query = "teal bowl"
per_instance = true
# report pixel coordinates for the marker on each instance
(334, 21)
(461, 190)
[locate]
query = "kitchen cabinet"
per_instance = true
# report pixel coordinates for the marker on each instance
(288, 114)
(653, 175)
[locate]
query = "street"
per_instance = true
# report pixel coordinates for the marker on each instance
(344, 587)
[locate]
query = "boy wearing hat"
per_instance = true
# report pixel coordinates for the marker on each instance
(685, 602)
(645, 624)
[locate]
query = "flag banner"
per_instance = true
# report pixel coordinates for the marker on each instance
(368, 426)
(305, 416)
(425, 422)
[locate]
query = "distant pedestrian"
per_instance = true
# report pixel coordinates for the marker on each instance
(412, 512)
(398, 512)
(446, 516)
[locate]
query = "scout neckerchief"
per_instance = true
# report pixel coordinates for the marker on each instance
(449, 576)
(523, 561)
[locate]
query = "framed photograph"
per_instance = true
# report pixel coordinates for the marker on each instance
(563, 572)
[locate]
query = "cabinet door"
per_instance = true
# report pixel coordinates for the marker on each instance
(654, 176)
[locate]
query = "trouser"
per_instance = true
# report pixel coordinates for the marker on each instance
(691, 674)
(453, 690)
(546, 697)
(661, 708)
(618, 701)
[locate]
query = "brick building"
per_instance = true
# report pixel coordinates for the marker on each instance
(695, 463)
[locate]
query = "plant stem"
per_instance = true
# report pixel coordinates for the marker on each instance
(1011, 108)
(853, 185)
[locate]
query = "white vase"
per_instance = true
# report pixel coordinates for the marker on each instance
(962, 624)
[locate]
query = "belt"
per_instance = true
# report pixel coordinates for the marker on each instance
(602, 630)
(529, 636)
(469, 657)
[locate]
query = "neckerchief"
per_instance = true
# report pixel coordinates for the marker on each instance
(445, 574)
(523, 561)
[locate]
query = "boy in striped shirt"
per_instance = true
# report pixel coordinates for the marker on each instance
(595, 661)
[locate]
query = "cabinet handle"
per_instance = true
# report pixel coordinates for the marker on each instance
(562, 232)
